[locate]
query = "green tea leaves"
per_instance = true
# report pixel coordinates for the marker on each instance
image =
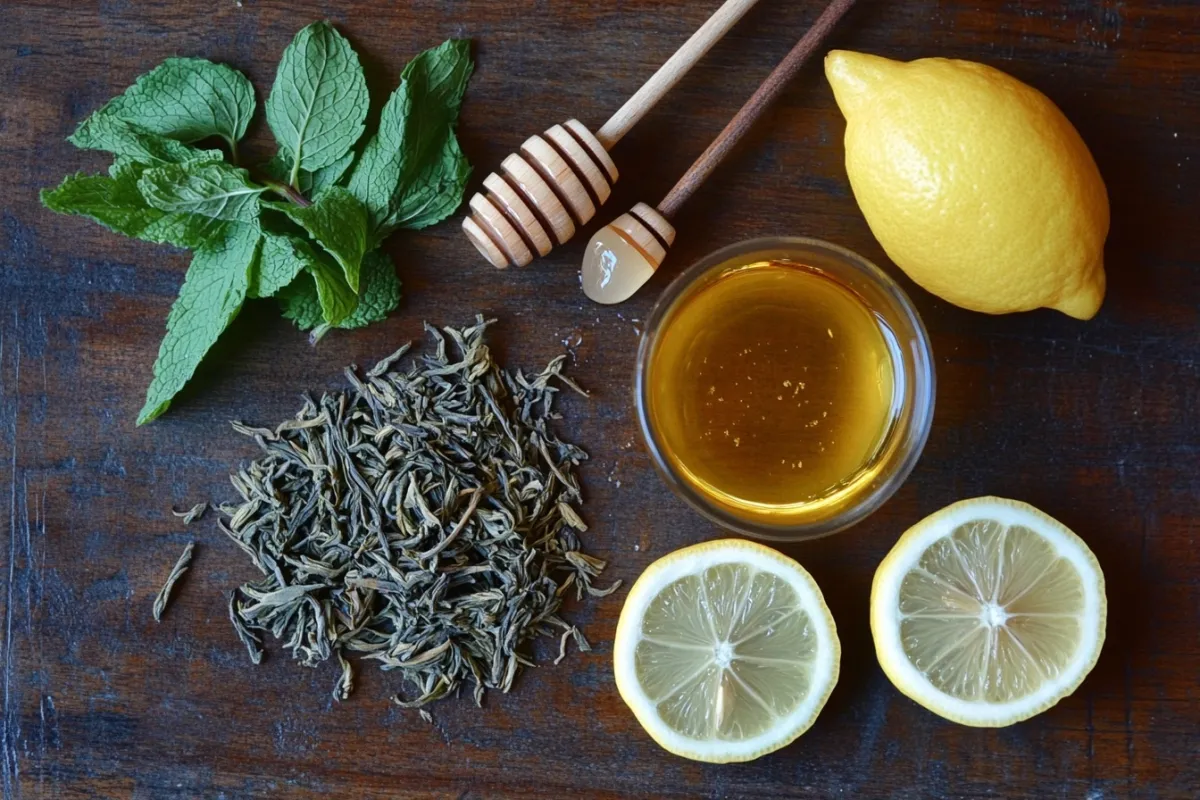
(412, 172)
(337, 222)
(187, 99)
(331, 202)
(212, 189)
(424, 519)
(211, 297)
(319, 101)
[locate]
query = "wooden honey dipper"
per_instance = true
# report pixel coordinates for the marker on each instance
(539, 195)
(623, 255)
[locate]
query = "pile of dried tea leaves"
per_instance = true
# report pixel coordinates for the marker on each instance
(423, 519)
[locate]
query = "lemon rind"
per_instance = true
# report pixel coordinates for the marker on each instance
(885, 619)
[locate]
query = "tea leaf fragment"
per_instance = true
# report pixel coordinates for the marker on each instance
(164, 594)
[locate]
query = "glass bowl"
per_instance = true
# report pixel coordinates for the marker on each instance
(913, 386)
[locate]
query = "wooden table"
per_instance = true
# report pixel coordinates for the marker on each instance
(1096, 422)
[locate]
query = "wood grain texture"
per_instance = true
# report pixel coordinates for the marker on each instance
(1097, 422)
(811, 43)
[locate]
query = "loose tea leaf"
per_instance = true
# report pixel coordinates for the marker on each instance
(192, 514)
(425, 520)
(164, 594)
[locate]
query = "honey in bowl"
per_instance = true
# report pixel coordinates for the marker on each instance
(772, 391)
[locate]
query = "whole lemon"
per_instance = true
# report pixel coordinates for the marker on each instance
(975, 184)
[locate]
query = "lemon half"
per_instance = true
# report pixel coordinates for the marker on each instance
(988, 612)
(725, 651)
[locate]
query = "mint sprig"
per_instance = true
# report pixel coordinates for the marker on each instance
(316, 246)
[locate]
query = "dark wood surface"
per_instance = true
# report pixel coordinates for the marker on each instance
(1098, 423)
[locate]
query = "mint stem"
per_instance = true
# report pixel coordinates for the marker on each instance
(318, 332)
(281, 188)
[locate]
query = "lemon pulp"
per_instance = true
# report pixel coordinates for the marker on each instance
(725, 651)
(988, 612)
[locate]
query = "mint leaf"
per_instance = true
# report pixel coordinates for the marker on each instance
(338, 222)
(309, 183)
(300, 303)
(183, 98)
(412, 172)
(319, 101)
(380, 291)
(115, 202)
(433, 194)
(212, 189)
(319, 297)
(210, 298)
(338, 300)
(134, 143)
(283, 258)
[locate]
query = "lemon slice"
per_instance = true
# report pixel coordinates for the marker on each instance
(988, 612)
(725, 651)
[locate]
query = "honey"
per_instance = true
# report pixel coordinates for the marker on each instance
(772, 390)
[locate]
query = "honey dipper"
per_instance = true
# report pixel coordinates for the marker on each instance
(539, 195)
(623, 255)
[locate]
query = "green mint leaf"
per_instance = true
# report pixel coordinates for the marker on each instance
(380, 291)
(301, 301)
(301, 304)
(183, 98)
(338, 300)
(432, 195)
(115, 202)
(309, 183)
(319, 101)
(134, 143)
(318, 297)
(338, 222)
(212, 189)
(409, 173)
(210, 298)
(283, 258)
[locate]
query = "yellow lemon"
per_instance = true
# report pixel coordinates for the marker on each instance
(988, 612)
(975, 184)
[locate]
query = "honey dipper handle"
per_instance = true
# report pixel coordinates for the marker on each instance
(754, 107)
(670, 72)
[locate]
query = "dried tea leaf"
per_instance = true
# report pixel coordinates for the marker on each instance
(423, 520)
